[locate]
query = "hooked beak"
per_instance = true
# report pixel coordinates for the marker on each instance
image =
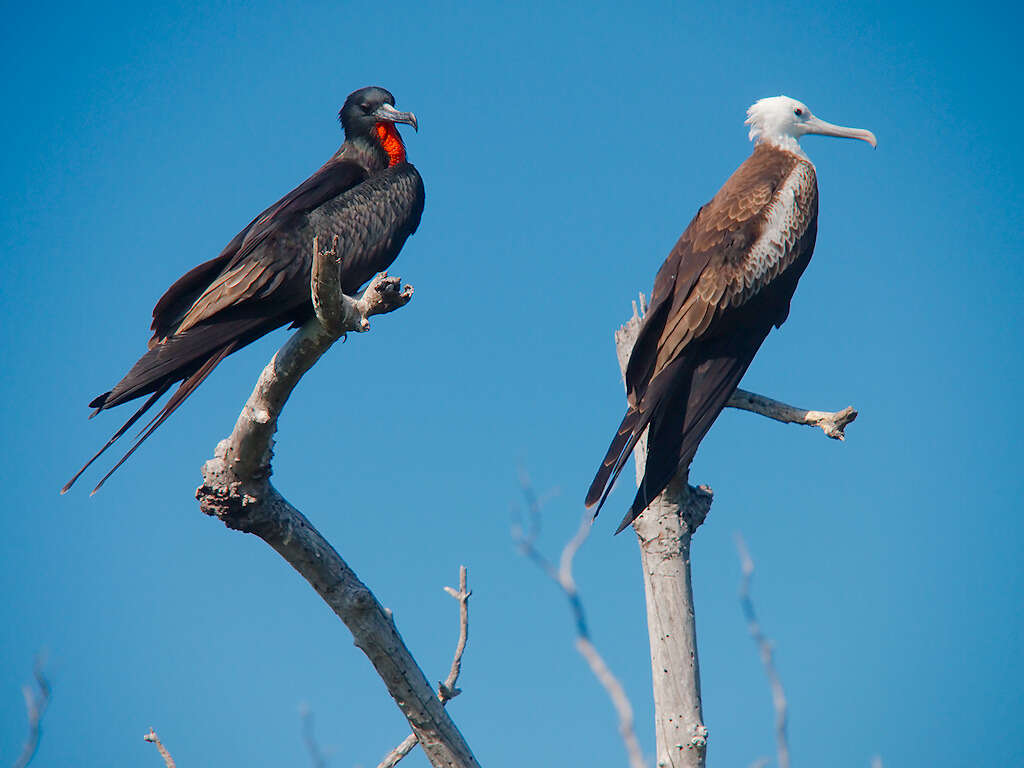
(391, 115)
(820, 127)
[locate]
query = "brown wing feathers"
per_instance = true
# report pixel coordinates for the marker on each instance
(712, 308)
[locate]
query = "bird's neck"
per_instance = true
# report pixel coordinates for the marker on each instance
(367, 152)
(782, 141)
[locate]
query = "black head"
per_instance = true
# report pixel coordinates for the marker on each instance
(367, 107)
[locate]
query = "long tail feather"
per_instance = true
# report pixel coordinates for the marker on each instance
(622, 435)
(685, 419)
(124, 428)
(188, 386)
(623, 458)
(656, 393)
(663, 460)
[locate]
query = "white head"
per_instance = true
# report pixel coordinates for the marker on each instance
(780, 120)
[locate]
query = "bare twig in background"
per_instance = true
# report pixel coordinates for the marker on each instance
(396, 754)
(237, 490)
(764, 645)
(154, 739)
(316, 757)
(446, 690)
(36, 703)
(562, 576)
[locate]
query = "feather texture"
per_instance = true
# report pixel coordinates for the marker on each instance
(261, 280)
(727, 281)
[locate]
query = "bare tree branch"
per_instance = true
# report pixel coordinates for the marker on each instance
(766, 650)
(396, 754)
(832, 423)
(446, 690)
(664, 531)
(36, 703)
(236, 489)
(154, 739)
(563, 577)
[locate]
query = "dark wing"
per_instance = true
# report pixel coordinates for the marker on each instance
(263, 260)
(372, 222)
(261, 280)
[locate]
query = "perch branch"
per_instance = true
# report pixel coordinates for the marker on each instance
(154, 739)
(832, 423)
(764, 646)
(446, 690)
(562, 576)
(251, 441)
(664, 531)
(35, 707)
(237, 490)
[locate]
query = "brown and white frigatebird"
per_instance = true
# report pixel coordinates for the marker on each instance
(367, 194)
(728, 280)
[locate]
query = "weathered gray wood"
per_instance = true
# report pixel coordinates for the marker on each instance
(833, 424)
(664, 531)
(236, 489)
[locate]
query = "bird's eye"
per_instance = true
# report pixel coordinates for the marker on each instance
(367, 108)
(798, 112)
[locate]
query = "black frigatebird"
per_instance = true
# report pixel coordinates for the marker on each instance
(727, 281)
(367, 194)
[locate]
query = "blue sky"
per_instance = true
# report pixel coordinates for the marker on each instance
(564, 148)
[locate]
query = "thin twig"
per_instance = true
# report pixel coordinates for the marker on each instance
(764, 645)
(562, 575)
(154, 739)
(396, 754)
(35, 707)
(446, 690)
(316, 757)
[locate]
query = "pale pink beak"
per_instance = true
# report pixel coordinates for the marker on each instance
(820, 127)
